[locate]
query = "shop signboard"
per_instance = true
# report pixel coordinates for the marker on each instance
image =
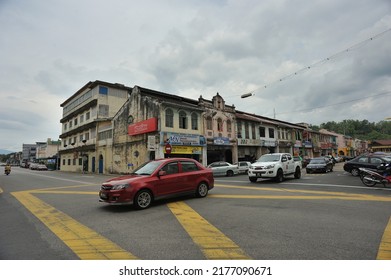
(149, 125)
(186, 150)
(221, 141)
(182, 139)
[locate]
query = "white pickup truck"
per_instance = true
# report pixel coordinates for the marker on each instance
(275, 165)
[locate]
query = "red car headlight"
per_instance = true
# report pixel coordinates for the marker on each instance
(120, 186)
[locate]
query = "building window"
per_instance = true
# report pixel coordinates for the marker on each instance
(103, 135)
(246, 131)
(87, 116)
(219, 124)
(65, 126)
(209, 123)
(75, 121)
(239, 129)
(271, 132)
(229, 126)
(169, 118)
(262, 131)
(253, 131)
(194, 121)
(103, 90)
(87, 136)
(63, 161)
(69, 161)
(182, 120)
(81, 118)
(81, 138)
(70, 124)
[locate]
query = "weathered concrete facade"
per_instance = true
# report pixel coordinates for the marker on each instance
(110, 128)
(153, 125)
(86, 126)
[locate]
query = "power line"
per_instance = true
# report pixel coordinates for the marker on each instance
(335, 104)
(327, 59)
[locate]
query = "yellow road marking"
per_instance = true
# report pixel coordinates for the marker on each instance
(290, 191)
(302, 197)
(65, 192)
(84, 242)
(384, 252)
(213, 243)
(59, 188)
(88, 244)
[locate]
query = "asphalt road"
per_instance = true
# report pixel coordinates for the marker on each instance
(52, 215)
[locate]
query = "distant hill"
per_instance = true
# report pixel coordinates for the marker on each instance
(5, 152)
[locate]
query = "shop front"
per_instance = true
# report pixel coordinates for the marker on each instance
(183, 145)
(249, 149)
(221, 149)
(269, 146)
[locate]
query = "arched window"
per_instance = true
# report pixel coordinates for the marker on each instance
(169, 118)
(182, 120)
(194, 121)
(219, 124)
(209, 123)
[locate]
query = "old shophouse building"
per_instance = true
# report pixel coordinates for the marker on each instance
(110, 128)
(86, 125)
(258, 135)
(154, 124)
(219, 129)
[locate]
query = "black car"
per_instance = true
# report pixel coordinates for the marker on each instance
(319, 164)
(371, 161)
(346, 158)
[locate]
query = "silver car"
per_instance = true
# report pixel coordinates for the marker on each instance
(222, 168)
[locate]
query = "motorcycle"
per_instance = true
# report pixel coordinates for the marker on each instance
(381, 176)
(7, 171)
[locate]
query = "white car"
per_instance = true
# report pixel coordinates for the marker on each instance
(243, 166)
(274, 165)
(223, 168)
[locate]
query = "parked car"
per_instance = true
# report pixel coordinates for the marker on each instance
(33, 166)
(347, 158)
(41, 167)
(223, 168)
(243, 166)
(319, 164)
(371, 161)
(305, 162)
(157, 179)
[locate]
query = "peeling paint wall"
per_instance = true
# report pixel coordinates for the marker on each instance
(131, 151)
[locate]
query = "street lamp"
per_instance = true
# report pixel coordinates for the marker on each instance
(246, 95)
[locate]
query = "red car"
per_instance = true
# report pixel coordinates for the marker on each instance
(157, 179)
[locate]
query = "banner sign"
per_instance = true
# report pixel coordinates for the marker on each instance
(186, 150)
(221, 141)
(182, 139)
(143, 127)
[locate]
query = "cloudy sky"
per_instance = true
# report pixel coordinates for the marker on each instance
(303, 60)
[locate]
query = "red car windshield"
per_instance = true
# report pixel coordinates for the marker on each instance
(147, 168)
